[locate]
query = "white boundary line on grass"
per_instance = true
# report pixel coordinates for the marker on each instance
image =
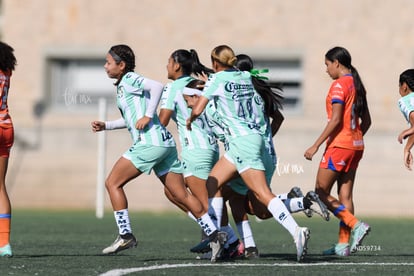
(125, 271)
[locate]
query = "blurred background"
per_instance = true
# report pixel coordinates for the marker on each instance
(61, 46)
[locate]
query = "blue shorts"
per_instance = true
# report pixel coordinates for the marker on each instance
(198, 162)
(161, 159)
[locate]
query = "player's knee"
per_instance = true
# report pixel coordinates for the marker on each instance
(322, 193)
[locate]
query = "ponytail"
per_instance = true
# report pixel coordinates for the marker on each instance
(344, 57)
(198, 67)
(189, 62)
(224, 55)
(269, 92)
(361, 103)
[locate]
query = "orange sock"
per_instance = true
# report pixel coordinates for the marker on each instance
(345, 216)
(4, 229)
(344, 233)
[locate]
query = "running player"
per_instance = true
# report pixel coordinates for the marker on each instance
(348, 120)
(266, 105)
(406, 105)
(7, 64)
(199, 148)
(153, 149)
(231, 91)
(241, 200)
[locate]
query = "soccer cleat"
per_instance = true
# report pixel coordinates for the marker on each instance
(217, 246)
(251, 252)
(204, 256)
(240, 250)
(323, 210)
(339, 249)
(297, 192)
(121, 243)
(6, 251)
(202, 247)
(235, 250)
(358, 233)
(302, 235)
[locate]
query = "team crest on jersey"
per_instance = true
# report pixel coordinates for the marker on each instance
(137, 81)
(119, 92)
(258, 100)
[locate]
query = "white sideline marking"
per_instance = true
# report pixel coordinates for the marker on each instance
(120, 272)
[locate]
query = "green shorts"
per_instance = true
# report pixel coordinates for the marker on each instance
(161, 159)
(269, 162)
(246, 152)
(198, 162)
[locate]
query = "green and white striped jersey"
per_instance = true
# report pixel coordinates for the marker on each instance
(133, 98)
(262, 121)
(406, 105)
(233, 93)
(201, 136)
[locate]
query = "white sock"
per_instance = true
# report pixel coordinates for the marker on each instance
(122, 221)
(294, 205)
(231, 236)
(191, 216)
(282, 215)
(282, 196)
(206, 224)
(216, 204)
(245, 232)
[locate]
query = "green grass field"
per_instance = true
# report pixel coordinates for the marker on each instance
(69, 243)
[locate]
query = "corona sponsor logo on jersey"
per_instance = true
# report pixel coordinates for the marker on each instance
(233, 87)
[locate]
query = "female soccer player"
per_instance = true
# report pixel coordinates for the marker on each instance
(199, 149)
(348, 120)
(153, 148)
(231, 91)
(241, 200)
(7, 64)
(267, 104)
(406, 105)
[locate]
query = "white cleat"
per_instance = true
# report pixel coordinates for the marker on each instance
(121, 244)
(217, 246)
(302, 235)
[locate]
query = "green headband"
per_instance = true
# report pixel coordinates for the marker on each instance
(257, 73)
